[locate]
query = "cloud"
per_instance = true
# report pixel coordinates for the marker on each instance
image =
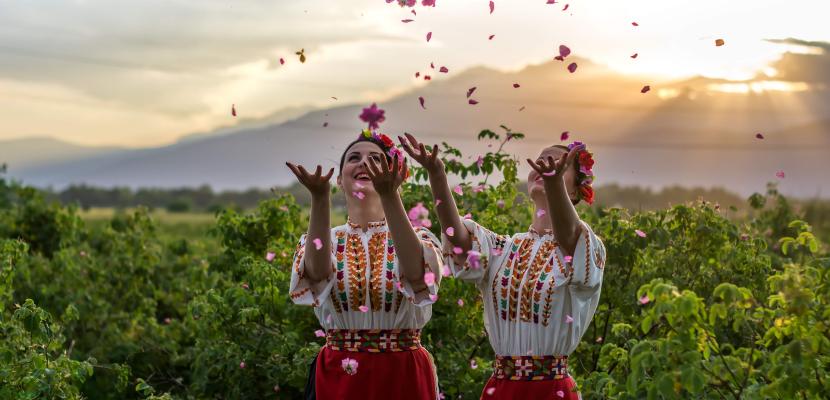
(811, 66)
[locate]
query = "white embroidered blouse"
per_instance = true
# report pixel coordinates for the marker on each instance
(535, 301)
(364, 289)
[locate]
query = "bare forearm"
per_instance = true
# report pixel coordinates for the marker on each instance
(407, 245)
(564, 219)
(447, 211)
(318, 261)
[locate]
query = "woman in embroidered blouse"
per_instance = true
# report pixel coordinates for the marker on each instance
(371, 281)
(540, 287)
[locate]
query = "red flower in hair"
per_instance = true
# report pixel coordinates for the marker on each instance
(586, 160)
(386, 140)
(587, 193)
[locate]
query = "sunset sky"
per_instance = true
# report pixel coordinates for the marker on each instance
(144, 73)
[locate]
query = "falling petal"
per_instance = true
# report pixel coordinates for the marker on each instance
(644, 299)
(450, 231)
(599, 339)
(635, 24)
(318, 244)
(516, 86)
(433, 297)
(233, 110)
(497, 252)
(417, 74)
(472, 102)
(780, 174)
(334, 98)
(429, 278)
(429, 36)
(468, 215)
(640, 233)
(363, 309)
(432, 65)
(270, 256)
(457, 250)
(551, 2)
(566, 7)
(568, 259)
(572, 67)
(444, 70)
(540, 213)
(480, 162)
(282, 61)
(319, 333)
(492, 6)
(458, 190)
(491, 37)
(359, 195)
(564, 136)
(406, 21)
(719, 42)
(634, 55)
(460, 302)
(470, 91)
(522, 108)
(445, 271)
(421, 100)
(645, 89)
(349, 365)
(569, 319)
(759, 136)
(560, 393)
(242, 365)
(473, 364)
(551, 173)
(437, 202)
(490, 391)
(564, 51)
(427, 77)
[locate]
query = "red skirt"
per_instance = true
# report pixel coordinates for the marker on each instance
(374, 365)
(531, 377)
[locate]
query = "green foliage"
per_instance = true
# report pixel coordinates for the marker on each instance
(123, 310)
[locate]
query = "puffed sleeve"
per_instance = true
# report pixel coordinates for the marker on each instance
(304, 291)
(588, 260)
(433, 263)
(474, 266)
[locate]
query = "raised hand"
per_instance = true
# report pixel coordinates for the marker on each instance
(386, 177)
(317, 183)
(555, 168)
(428, 159)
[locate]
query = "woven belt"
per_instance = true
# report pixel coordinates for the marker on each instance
(374, 340)
(531, 368)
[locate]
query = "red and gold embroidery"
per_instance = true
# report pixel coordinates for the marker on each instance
(531, 291)
(377, 250)
(339, 295)
(356, 260)
(531, 368)
(374, 340)
(520, 264)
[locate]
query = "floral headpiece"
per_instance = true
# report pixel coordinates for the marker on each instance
(585, 174)
(374, 116)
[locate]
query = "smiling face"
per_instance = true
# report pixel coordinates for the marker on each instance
(353, 175)
(535, 183)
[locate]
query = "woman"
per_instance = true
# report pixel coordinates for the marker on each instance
(371, 281)
(540, 287)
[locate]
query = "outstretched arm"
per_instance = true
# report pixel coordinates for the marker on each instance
(564, 219)
(445, 207)
(386, 179)
(318, 260)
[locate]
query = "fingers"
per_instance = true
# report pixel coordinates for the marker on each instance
(394, 168)
(328, 176)
(318, 171)
(296, 172)
(412, 141)
(406, 147)
(535, 166)
(372, 168)
(422, 149)
(434, 154)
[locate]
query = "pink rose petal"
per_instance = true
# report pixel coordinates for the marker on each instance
(645, 89)
(233, 110)
(429, 278)
(437, 202)
(417, 74)
(460, 302)
(564, 51)
(634, 55)
(551, 2)
(496, 252)
(540, 213)
(450, 231)
(569, 319)
(433, 297)
(457, 250)
(568, 259)
(522, 108)
(429, 36)
(270, 256)
(470, 91)
(780, 174)
(572, 67)
(473, 364)
(359, 195)
(282, 61)
(635, 24)
(491, 37)
(432, 65)
(472, 102)
(564, 136)
(644, 299)
(759, 136)
(242, 365)
(566, 7)
(445, 271)
(363, 309)
(516, 86)
(406, 21)
(349, 365)
(319, 333)
(427, 78)
(458, 190)
(421, 100)
(318, 244)
(474, 259)
(490, 391)
(640, 233)
(443, 70)
(560, 393)
(492, 6)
